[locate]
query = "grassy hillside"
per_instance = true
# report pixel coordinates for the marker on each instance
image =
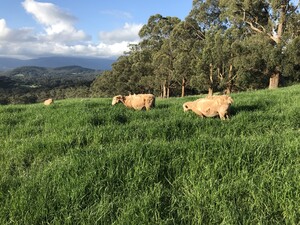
(87, 162)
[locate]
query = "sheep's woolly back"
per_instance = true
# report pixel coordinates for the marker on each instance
(136, 101)
(210, 106)
(48, 101)
(221, 99)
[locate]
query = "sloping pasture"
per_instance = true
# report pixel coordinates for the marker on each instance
(83, 161)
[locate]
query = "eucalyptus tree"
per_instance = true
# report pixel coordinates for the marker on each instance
(253, 58)
(115, 81)
(206, 64)
(155, 38)
(207, 14)
(122, 71)
(154, 32)
(186, 39)
(291, 65)
(140, 80)
(273, 19)
(102, 86)
(233, 36)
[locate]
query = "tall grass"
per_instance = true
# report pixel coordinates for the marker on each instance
(87, 162)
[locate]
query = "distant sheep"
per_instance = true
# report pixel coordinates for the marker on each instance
(48, 101)
(210, 106)
(137, 102)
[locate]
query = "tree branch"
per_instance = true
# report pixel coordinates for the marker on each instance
(263, 31)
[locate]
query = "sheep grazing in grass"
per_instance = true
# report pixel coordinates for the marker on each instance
(221, 99)
(137, 102)
(210, 106)
(48, 101)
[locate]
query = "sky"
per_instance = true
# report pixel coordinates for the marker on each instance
(89, 28)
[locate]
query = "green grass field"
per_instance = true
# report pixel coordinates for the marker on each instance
(87, 162)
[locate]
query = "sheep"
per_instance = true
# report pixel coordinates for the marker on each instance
(137, 102)
(48, 101)
(221, 99)
(210, 106)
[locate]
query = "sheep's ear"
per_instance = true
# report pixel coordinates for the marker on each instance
(121, 98)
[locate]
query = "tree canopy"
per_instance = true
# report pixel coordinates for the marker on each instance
(222, 45)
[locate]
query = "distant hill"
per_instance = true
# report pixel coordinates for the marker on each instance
(31, 84)
(54, 62)
(63, 72)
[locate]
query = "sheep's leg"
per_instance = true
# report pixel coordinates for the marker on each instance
(222, 115)
(199, 113)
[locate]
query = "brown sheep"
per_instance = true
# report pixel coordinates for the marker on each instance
(137, 102)
(210, 106)
(48, 101)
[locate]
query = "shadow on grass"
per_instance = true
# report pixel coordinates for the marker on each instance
(162, 106)
(119, 119)
(245, 108)
(14, 110)
(97, 121)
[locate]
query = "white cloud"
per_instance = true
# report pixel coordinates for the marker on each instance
(60, 37)
(17, 35)
(3, 29)
(128, 33)
(56, 22)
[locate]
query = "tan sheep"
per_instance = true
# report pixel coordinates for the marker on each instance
(210, 106)
(48, 101)
(137, 102)
(221, 99)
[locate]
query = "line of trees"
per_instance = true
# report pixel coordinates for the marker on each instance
(222, 45)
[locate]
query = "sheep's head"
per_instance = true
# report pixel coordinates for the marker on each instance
(186, 106)
(224, 99)
(229, 100)
(117, 99)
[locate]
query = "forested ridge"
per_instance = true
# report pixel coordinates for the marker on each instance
(32, 84)
(222, 45)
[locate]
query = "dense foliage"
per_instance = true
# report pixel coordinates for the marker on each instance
(222, 45)
(83, 161)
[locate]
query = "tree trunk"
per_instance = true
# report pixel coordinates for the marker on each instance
(220, 75)
(229, 84)
(183, 87)
(274, 81)
(164, 89)
(275, 36)
(210, 89)
(210, 92)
